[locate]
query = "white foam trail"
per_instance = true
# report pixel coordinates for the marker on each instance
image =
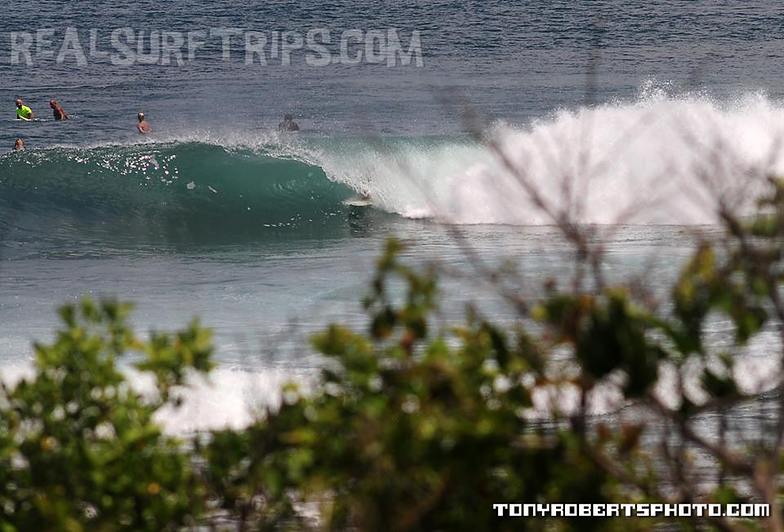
(226, 398)
(659, 160)
(233, 398)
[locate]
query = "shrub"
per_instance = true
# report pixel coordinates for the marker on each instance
(414, 425)
(79, 448)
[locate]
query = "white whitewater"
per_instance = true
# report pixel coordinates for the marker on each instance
(659, 160)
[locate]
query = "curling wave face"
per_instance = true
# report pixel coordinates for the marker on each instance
(161, 189)
(656, 160)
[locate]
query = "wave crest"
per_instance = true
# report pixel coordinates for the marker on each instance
(660, 159)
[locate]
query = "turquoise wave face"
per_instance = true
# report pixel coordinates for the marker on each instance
(185, 189)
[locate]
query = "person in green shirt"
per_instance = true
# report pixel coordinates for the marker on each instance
(23, 112)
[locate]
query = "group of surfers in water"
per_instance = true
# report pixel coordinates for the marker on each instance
(23, 112)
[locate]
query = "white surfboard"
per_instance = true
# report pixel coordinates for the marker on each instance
(358, 201)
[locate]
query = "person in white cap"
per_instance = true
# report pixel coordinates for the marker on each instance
(143, 126)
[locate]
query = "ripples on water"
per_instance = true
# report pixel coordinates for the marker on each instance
(184, 226)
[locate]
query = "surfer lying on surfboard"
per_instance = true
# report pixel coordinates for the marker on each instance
(23, 112)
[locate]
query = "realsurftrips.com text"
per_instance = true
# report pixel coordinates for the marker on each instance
(317, 47)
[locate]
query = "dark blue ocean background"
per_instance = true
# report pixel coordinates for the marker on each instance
(512, 60)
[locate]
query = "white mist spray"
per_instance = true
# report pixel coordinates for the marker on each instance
(659, 160)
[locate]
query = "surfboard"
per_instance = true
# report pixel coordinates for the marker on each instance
(358, 201)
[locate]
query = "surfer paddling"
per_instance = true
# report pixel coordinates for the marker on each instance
(143, 127)
(58, 111)
(23, 112)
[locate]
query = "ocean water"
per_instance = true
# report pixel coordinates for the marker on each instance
(631, 116)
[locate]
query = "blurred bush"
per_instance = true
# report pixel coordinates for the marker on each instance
(415, 424)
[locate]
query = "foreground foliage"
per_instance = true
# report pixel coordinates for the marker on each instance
(415, 425)
(79, 449)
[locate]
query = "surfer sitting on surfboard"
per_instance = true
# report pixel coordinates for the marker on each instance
(143, 126)
(57, 109)
(23, 112)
